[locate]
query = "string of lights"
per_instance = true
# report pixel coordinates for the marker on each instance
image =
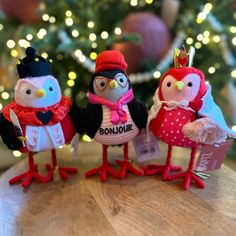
(88, 62)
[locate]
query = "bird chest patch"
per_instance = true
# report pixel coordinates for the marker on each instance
(172, 124)
(116, 130)
(41, 138)
(110, 134)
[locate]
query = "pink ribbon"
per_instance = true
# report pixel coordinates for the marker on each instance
(117, 113)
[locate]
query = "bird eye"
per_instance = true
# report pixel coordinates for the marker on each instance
(28, 91)
(50, 89)
(168, 84)
(190, 84)
(121, 79)
(100, 83)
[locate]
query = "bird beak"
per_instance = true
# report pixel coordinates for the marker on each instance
(113, 84)
(179, 85)
(40, 93)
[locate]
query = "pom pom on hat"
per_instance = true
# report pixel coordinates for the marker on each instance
(110, 60)
(30, 52)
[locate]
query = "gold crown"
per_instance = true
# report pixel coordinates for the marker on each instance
(181, 57)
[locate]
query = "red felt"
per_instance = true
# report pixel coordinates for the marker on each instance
(156, 123)
(196, 105)
(29, 175)
(168, 126)
(164, 169)
(182, 60)
(68, 129)
(27, 115)
(104, 169)
(63, 171)
(127, 166)
(153, 169)
(180, 73)
(110, 60)
(189, 174)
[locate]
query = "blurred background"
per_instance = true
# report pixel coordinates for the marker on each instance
(72, 33)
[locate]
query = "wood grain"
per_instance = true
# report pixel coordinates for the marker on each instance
(133, 206)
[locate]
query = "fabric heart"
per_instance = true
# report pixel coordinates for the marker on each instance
(182, 61)
(44, 117)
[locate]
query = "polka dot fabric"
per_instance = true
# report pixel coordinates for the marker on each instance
(168, 126)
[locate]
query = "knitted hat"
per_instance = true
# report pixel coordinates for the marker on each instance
(110, 60)
(33, 65)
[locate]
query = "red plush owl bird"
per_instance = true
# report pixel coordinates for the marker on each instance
(185, 115)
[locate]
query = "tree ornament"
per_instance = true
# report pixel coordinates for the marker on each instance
(169, 11)
(155, 40)
(24, 10)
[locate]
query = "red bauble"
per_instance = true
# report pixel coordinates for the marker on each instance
(155, 39)
(22, 10)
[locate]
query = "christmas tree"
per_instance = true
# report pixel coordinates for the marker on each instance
(72, 33)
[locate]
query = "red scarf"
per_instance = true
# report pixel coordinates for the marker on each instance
(117, 113)
(27, 115)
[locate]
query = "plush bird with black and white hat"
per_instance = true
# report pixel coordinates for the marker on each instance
(38, 118)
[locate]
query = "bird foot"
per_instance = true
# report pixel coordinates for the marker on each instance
(157, 169)
(57, 173)
(188, 175)
(27, 177)
(127, 166)
(104, 169)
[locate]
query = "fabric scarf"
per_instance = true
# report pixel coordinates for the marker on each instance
(27, 115)
(117, 113)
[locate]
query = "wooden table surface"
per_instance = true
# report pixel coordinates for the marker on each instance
(133, 206)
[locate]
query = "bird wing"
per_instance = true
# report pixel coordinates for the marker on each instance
(93, 119)
(211, 110)
(77, 114)
(138, 112)
(8, 134)
(204, 131)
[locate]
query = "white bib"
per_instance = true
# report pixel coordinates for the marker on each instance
(110, 134)
(42, 138)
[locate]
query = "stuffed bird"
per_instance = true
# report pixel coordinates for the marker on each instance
(184, 114)
(113, 116)
(37, 119)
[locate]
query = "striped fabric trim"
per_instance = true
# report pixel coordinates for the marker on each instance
(110, 134)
